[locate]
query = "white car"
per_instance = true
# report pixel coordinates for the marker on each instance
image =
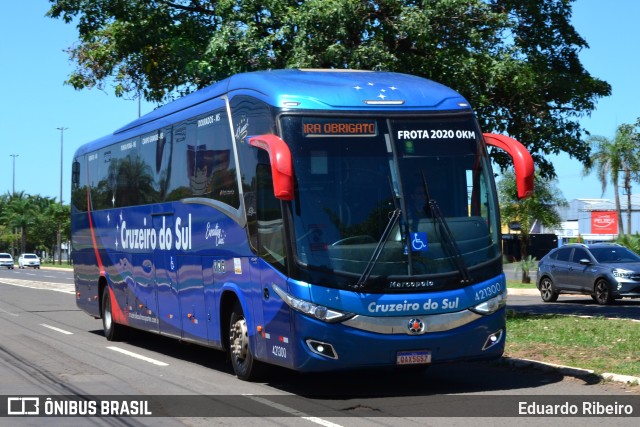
(6, 260)
(29, 260)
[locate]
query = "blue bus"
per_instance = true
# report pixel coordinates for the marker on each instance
(312, 219)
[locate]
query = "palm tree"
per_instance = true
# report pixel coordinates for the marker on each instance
(19, 212)
(540, 207)
(46, 223)
(610, 158)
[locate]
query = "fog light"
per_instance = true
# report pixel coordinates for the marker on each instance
(493, 339)
(322, 348)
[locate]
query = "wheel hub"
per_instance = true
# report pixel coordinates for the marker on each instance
(239, 339)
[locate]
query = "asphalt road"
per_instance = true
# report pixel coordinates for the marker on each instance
(50, 348)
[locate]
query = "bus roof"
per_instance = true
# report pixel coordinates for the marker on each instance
(298, 89)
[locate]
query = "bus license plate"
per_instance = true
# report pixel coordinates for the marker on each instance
(420, 357)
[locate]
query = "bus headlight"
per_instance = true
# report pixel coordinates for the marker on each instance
(492, 305)
(319, 312)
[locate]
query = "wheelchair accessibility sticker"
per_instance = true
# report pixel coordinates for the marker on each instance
(419, 242)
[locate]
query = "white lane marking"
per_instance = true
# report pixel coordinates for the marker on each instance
(292, 411)
(53, 328)
(138, 356)
(8, 312)
(58, 287)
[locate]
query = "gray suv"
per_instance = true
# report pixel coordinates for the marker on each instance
(603, 270)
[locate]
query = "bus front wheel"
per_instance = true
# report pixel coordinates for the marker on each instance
(242, 360)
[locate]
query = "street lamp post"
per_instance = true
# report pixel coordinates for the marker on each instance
(14, 173)
(13, 193)
(61, 129)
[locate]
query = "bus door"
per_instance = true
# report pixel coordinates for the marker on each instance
(277, 340)
(166, 278)
(212, 268)
(191, 294)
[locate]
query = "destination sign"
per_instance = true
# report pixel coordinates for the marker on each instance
(338, 127)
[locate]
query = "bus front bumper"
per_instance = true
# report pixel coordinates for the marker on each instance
(366, 342)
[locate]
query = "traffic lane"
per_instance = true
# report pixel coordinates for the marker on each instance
(577, 305)
(27, 319)
(59, 275)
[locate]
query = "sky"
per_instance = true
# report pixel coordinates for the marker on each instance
(35, 103)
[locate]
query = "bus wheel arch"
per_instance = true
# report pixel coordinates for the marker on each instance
(227, 302)
(102, 284)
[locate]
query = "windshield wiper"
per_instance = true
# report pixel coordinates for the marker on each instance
(393, 220)
(448, 241)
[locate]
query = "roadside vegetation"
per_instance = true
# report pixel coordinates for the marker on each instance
(29, 223)
(600, 344)
(519, 285)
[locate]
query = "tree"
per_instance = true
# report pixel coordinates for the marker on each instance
(540, 207)
(516, 61)
(18, 213)
(31, 220)
(614, 156)
(49, 215)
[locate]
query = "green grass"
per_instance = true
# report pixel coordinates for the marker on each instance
(602, 345)
(519, 285)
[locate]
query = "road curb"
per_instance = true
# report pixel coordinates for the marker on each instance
(566, 370)
(626, 379)
(535, 292)
(522, 291)
(571, 371)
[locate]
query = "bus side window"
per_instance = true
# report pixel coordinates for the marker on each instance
(264, 215)
(78, 186)
(270, 230)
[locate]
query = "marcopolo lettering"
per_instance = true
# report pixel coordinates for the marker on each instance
(406, 285)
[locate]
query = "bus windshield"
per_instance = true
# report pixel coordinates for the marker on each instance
(354, 175)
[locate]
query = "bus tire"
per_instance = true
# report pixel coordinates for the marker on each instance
(244, 365)
(112, 330)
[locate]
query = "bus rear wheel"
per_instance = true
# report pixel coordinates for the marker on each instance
(112, 330)
(244, 365)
